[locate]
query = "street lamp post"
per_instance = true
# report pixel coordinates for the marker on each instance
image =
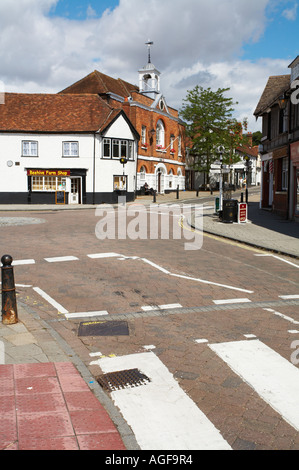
(221, 180)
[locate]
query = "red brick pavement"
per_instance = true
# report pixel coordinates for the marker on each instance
(50, 407)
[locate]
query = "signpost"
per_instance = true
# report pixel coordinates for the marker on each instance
(242, 212)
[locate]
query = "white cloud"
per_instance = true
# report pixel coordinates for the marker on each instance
(195, 42)
(290, 13)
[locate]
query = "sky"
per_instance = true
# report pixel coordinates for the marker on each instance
(46, 45)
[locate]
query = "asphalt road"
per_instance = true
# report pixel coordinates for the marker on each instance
(210, 316)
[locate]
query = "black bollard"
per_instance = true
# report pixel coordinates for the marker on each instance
(9, 302)
(177, 191)
(241, 197)
(154, 200)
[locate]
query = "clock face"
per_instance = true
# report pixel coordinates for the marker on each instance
(9, 163)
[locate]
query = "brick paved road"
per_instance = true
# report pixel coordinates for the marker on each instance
(202, 284)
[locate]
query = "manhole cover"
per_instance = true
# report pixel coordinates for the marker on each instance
(103, 328)
(122, 379)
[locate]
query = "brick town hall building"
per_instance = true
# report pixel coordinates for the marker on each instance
(161, 150)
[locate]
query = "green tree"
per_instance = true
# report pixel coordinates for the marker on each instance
(256, 138)
(209, 125)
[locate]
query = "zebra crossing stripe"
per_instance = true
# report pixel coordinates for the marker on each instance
(160, 413)
(273, 377)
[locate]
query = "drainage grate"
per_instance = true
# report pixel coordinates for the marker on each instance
(122, 379)
(103, 328)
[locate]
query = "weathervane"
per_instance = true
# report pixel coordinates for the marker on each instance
(149, 44)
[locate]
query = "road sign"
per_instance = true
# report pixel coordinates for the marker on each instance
(242, 212)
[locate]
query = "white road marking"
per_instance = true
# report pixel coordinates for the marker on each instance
(50, 300)
(155, 266)
(160, 307)
(273, 377)
(95, 354)
(212, 283)
(61, 259)
(289, 297)
(22, 262)
(104, 255)
(86, 314)
(199, 341)
(280, 259)
(293, 331)
(19, 285)
(285, 317)
(165, 271)
(160, 413)
(231, 301)
(250, 336)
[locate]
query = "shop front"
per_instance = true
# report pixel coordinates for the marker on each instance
(56, 186)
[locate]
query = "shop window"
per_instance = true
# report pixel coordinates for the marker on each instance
(29, 148)
(48, 183)
(70, 149)
(120, 183)
(37, 183)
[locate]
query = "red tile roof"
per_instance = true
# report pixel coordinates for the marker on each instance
(54, 113)
(248, 150)
(97, 82)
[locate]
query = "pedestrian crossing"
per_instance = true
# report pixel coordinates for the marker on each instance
(162, 415)
(274, 378)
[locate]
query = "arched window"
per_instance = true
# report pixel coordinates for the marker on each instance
(160, 134)
(142, 173)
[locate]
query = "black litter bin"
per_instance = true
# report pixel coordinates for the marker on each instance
(230, 211)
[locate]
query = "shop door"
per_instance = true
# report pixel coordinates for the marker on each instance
(75, 196)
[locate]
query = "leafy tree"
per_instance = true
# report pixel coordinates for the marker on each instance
(210, 125)
(256, 138)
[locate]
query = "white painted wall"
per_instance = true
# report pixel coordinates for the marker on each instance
(50, 150)
(14, 179)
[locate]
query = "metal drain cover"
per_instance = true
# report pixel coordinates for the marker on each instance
(122, 379)
(103, 328)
